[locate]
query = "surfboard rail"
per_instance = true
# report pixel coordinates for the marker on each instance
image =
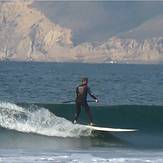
(110, 129)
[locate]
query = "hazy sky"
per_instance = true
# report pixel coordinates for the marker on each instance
(99, 20)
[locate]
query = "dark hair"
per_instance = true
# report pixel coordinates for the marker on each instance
(84, 79)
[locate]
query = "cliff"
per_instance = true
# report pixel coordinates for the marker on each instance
(27, 35)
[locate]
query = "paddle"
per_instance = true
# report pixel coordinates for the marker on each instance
(65, 102)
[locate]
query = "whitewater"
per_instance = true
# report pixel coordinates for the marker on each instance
(38, 120)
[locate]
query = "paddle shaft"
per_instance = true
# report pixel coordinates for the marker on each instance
(65, 102)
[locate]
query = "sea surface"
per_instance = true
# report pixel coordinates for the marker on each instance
(35, 123)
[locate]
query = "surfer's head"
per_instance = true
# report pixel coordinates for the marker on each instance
(84, 81)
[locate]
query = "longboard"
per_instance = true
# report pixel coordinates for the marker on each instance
(109, 129)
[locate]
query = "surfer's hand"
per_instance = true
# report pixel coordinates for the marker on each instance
(96, 101)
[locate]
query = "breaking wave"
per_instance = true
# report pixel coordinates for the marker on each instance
(38, 120)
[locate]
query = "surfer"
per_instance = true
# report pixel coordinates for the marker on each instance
(81, 100)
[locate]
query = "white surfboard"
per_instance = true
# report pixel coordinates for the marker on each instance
(109, 129)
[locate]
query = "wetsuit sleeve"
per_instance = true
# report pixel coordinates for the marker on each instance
(91, 94)
(77, 91)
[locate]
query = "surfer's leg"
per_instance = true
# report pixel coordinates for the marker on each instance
(87, 109)
(78, 110)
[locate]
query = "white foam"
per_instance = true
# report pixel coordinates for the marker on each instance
(77, 159)
(80, 156)
(40, 121)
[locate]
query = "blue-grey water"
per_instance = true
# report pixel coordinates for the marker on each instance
(53, 82)
(31, 96)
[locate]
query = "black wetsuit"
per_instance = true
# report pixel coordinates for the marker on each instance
(81, 101)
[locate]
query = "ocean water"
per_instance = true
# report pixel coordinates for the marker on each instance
(35, 125)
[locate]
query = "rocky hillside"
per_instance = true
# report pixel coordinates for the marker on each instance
(27, 35)
(150, 28)
(117, 50)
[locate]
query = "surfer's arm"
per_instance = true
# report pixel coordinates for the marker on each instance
(77, 91)
(91, 94)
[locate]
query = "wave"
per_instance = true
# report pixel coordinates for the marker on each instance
(38, 120)
(54, 120)
(143, 117)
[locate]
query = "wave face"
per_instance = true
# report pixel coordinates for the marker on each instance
(54, 122)
(142, 117)
(147, 119)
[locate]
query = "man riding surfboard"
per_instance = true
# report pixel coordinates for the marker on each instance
(81, 100)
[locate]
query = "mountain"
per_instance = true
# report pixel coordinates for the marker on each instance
(27, 35)
(117, 50)
(149, 29)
